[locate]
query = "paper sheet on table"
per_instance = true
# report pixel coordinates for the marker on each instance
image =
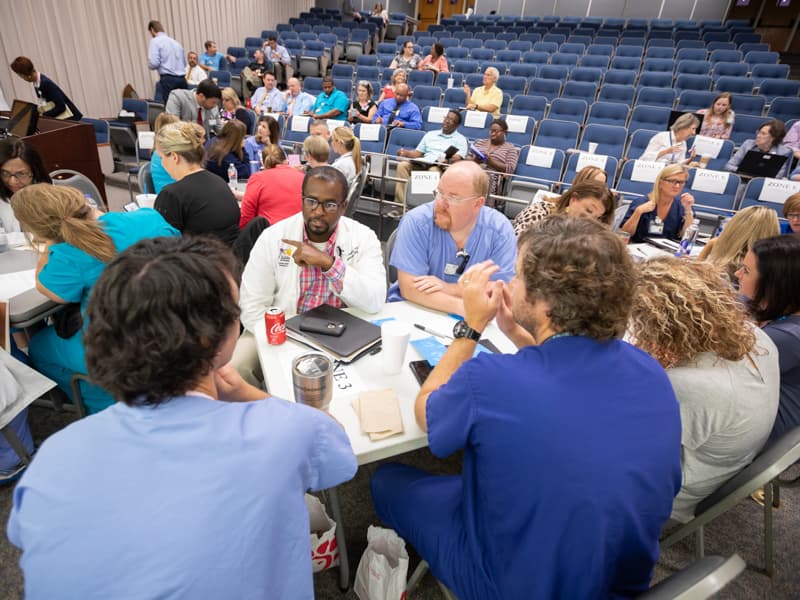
(707, 146)
(591, 160)
(17, 239)
(300, 123)
(710, 181)
(474, 118)
(369, 132)
(646, 170)
(540, 157)
(778, 190)
(379, 413)
(13, 284)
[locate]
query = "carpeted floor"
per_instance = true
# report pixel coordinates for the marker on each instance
(740, 530)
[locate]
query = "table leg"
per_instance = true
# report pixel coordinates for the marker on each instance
(14, 442)
(341, 538)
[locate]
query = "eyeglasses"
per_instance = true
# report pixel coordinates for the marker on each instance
(676, 182)
(23, 176)
(312, 203)
(793, 216)
(452, 200)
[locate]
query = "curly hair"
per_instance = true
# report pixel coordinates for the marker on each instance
(682, 308)
(158, 316)
(583, 271)
(60, 214)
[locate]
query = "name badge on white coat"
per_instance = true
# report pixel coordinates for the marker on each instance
(285, 255)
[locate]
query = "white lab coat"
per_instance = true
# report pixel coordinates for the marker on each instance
(269, 279)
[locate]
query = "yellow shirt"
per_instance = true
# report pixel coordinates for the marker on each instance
(493, 96)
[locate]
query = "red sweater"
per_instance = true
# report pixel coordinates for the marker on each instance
(275, 193)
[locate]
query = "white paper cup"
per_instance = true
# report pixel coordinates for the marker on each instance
(592, 147)
(394, 341)
(146, 200)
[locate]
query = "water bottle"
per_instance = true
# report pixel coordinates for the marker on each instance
(450, 82)
(688, 239)
(90, 201)
(3, 240)
(233, 177)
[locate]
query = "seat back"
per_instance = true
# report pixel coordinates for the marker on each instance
(724, 197)
(562, 135)
(80, 182)
(701, 579)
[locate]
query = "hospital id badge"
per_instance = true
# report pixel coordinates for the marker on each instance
(450, 269)
(656, 227)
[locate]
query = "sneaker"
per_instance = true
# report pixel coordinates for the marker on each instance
(11, 475)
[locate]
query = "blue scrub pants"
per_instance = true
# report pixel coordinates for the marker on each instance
(425, 510)
(54, 357)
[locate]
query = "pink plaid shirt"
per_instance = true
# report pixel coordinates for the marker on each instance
(321, 287)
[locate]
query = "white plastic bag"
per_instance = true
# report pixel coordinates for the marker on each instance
(324, 552)
(383, 567)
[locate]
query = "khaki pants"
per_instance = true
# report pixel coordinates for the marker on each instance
(404, 172)
(245, 360)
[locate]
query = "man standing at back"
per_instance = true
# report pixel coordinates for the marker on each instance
(316, 257)
(166, 56)
(571, 446)
(437, 241)
(200, 105)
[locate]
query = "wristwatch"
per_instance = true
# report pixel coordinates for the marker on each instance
(462, 330)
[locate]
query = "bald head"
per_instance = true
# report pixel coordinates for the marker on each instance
(468, 176)
(401, 92)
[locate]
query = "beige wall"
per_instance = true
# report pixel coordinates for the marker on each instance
(92, 48)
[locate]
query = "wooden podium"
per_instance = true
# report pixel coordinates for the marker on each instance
(69, 145)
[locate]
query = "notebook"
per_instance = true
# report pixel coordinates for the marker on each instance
(359, 336)
(761, 164)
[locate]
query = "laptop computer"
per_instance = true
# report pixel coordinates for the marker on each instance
(761, 164)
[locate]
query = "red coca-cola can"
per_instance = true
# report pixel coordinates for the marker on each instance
(275, 322)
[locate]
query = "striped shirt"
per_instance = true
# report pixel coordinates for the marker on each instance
(321, 287)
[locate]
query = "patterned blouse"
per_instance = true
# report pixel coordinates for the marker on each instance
(537, 211)
(507, 153)
(408, 64)
(717, 128)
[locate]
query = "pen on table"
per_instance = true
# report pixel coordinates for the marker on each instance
(432, 331)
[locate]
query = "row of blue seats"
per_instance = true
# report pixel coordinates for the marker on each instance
(573, 44)
(587, 37)
(591, 22)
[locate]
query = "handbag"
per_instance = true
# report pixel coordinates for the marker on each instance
(68, 321)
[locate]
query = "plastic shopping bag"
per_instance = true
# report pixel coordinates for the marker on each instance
(324, 553)
(383, 567)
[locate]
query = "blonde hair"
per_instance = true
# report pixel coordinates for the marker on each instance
(163, 119)
(588, 174)
(727, 114)
(685, 121)
(317, 148)
(346, 137)
(666, 173)
(748, 225)
(60, 214)
(184, 139)
(229, 94)
(272, 155)
(682, 308)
